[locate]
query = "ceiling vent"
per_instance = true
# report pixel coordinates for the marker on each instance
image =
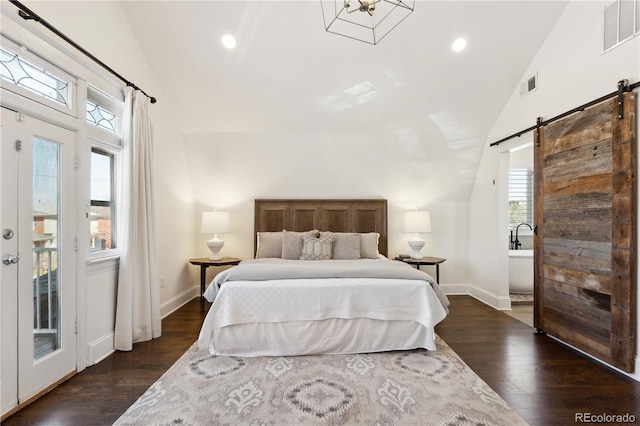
(529, 85)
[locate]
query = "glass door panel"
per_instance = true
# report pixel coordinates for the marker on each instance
(46, 291)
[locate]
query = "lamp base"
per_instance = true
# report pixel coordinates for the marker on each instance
(416, 245)
(215, 245)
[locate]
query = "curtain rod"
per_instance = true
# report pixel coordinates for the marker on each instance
(27, 14)
(623, 86)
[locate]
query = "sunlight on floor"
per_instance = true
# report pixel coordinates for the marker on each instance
(521, 309)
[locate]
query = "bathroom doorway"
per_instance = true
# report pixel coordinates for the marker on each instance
(520, 214)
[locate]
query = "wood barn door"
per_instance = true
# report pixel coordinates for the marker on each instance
(585, 247)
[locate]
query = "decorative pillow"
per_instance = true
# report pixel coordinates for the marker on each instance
(346, 245)
(269, 244)
(369, 245)
(292, 243)
(316, 248)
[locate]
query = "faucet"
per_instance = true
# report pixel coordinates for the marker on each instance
(517, 243)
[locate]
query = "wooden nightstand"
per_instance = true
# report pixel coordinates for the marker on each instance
(431, 261)
(204, 263)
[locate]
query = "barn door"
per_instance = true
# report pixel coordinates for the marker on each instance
(585, 247)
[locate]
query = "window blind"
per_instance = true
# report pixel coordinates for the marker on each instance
(520, 197)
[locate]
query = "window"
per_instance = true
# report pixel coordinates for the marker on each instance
(104, 112)
(621, 22)
(102, 213)
(34, 78)
(520, 197)
(100, 116)
(104, 121)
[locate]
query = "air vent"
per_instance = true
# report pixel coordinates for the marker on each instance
(529, 85)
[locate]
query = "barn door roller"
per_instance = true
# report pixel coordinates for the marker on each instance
(623, 86)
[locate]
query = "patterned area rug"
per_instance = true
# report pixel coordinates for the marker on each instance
(416, 387)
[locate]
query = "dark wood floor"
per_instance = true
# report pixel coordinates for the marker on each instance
(543, 380)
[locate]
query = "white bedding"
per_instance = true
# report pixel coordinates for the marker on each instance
(293, 316)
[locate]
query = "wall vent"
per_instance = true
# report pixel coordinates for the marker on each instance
(621, 22)
(529, 85)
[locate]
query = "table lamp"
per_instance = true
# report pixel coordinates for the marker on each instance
(215, 222)
(417, 222)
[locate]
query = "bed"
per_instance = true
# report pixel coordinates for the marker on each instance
(311, 291)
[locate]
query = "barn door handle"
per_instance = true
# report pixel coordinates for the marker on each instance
(535, 229)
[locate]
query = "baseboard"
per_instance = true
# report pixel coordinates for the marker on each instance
(176, 302)
(99, 349)
(456, 289)
(500, 303)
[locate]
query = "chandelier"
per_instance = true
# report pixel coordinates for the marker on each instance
(364, 20)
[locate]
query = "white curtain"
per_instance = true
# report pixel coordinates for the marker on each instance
(138, 303)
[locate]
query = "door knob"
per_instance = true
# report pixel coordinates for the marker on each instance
(8, 259)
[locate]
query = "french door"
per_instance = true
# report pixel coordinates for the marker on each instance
(37, 246)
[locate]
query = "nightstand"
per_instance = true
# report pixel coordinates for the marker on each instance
(204, 263)
(431, 261)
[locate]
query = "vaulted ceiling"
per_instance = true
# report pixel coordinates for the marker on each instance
(287, 75)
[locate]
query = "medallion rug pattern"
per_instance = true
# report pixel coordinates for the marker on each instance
(416, 387)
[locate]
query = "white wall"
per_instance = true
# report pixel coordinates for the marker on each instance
(230, 170)
(101, 290)
(572, 71)
(92, 25)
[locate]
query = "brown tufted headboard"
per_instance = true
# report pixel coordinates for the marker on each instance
(356, 215)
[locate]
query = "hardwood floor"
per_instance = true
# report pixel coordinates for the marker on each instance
(546, 382)
(101, 393)
(543, 380)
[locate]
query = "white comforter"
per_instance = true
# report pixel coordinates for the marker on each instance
(273, 291)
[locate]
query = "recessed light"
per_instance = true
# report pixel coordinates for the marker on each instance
(228, 41)
(459, 44)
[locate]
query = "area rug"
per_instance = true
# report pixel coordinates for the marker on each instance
(416, 387)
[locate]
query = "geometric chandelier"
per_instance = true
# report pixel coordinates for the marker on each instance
(364, 20)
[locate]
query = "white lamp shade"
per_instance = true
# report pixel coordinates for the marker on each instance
(417, 221)
(215, 222)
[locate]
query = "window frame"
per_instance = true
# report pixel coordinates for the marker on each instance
(115, 106)
(529, 193)
(636, 24)
(101, 139)
(30, 57)
(113, 152)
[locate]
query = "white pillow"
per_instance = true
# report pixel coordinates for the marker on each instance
(369, 245)
(292, 243)
(346, 245)
(269, 244)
